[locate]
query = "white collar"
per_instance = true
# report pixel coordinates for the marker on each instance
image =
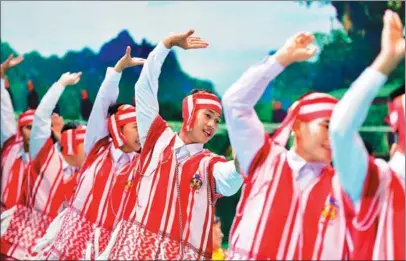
(397, 163)
(296, 163)
(117, 153)
(192, 148)
(25, 155)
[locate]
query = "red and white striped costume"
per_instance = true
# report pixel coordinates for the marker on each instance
(47, 190)
(276, 219)
(98, 201)
(378, 227)
(171, 219)
(14, 168)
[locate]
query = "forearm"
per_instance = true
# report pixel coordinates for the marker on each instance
(243, 124)
(41, 128)
(146, 90)
(8, 122)
(350, 156)
(228, 180)
(97, 127)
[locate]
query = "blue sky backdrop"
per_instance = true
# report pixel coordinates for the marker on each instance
(240, 33)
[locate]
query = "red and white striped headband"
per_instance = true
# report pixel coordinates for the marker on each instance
(124, 115)
(397, 119)
(194, 102)
(310, 107)
(24, 119)
(71, 138)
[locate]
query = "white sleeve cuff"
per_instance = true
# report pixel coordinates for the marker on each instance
(160, 52)
(112, 75)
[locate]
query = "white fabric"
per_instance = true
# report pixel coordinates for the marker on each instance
(397, 164)
(305, 173)
(8, 123)
(350, 157)
(228, 181)
(243, 125)
(41, 127)
(97, 127)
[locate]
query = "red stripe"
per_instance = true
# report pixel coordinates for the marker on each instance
(39, 179)
(314, 207)
(54, 184)
(281, 204)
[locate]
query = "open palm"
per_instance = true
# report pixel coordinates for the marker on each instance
(187, 41)
(299, 46)
(128, 61)
(393, 43)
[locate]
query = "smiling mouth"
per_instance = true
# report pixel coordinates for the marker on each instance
(208, 133)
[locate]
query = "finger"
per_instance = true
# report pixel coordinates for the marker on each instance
(194, 38)
(128, 51)
(198, 45)
(189, 33)
(397, 22)
(387, 18)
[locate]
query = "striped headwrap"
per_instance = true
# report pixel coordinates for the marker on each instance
(397, 119)
(24, 119)
(197, 101)
(124, 115)
(309, 107)
(71, 138)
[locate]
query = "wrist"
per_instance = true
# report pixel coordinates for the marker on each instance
(168, 43)
(283, 57)
(385, 63)
(118, 68)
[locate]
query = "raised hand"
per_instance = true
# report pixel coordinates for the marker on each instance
(392, 41)
(128, 61)
(185, 41)
(297, 48)
(9, 63)
(392, 44)
(69, 78)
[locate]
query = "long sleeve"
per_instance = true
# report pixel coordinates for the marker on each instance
(41, 127)
(146, 90)
(7, 117)
(245, 130)
(228, 180)
(97, 127)
(350, 157)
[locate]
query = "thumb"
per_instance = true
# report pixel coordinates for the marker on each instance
(190, 32)
(128, 51)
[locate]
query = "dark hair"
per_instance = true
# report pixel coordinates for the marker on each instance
(113, 108)
(193, 91)
(397, 92)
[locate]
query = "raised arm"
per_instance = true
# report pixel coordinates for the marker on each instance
(350, 156)
(243, 124)
(107, 95)
(146, 88)
(41, 127)
(7, 118)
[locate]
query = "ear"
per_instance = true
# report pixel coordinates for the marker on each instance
(296, 128)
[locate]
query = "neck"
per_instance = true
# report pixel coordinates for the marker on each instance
(126, 149)
(301, 152)
(71, 161)
(185, 138)
(26, 147)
